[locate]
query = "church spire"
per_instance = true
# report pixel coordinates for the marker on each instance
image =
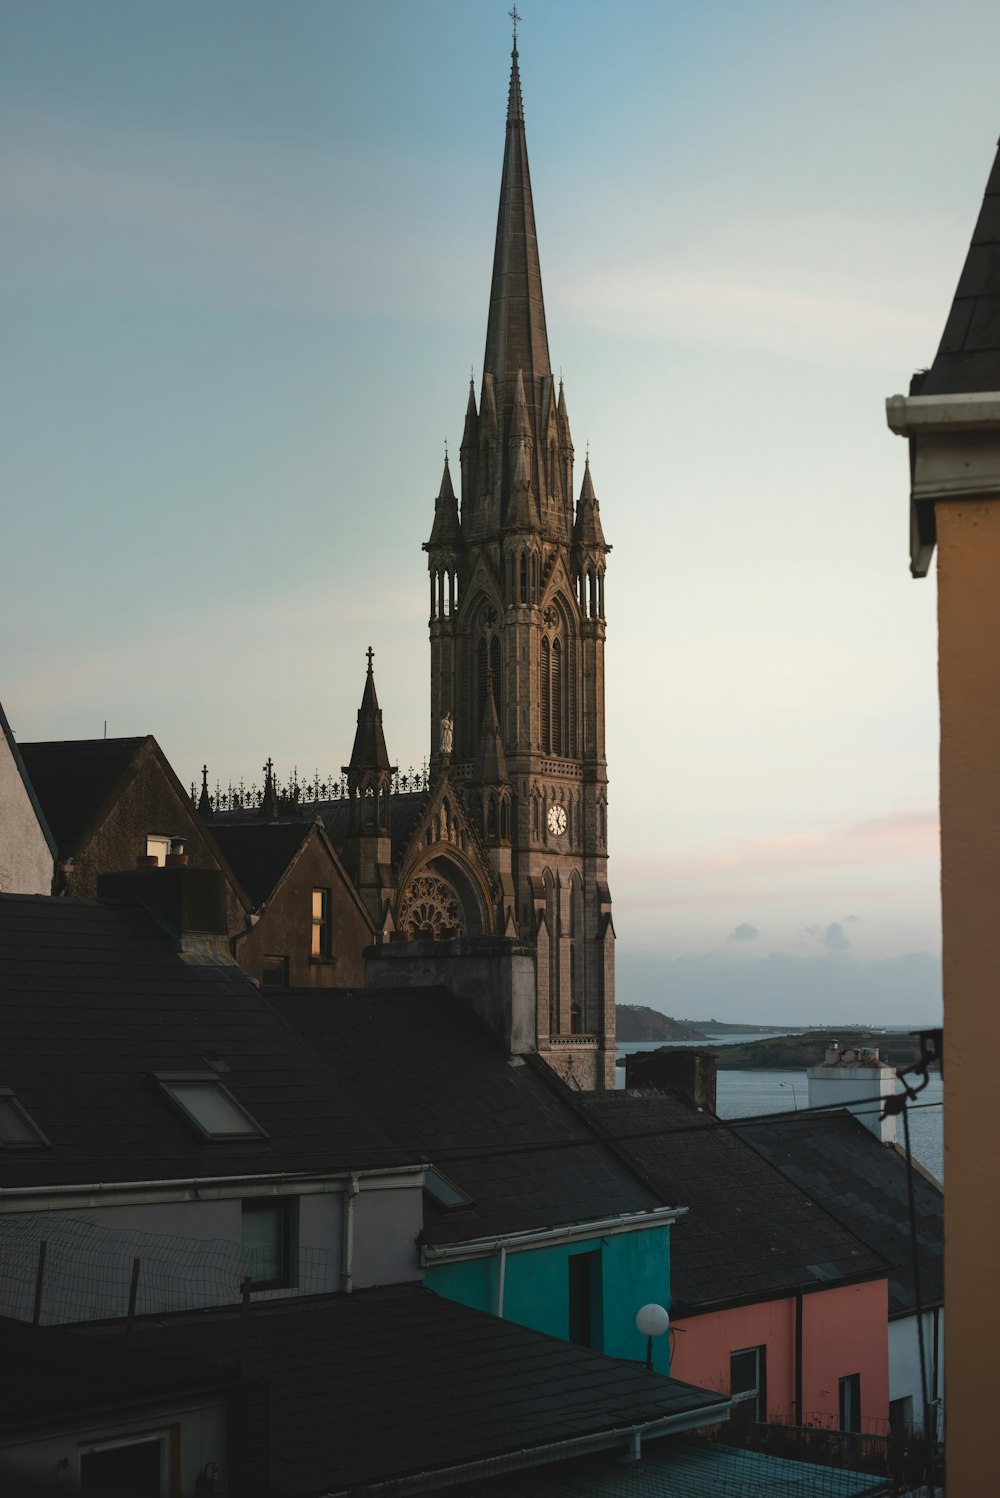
(515, 334)
(446, 530)
(369, 752)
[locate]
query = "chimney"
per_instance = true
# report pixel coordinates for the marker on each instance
(856, 1078)
(687, 1072)
(190, 904)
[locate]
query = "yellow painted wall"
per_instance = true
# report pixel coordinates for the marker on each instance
(969, 677)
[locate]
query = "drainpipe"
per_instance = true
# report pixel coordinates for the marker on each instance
(347, 1272)
(799, 1418)
(501, 1275)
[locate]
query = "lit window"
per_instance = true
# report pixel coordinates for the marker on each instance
(321, 923)
(209, 1107)
(444, 1193)
(158, 847)
(267, 1242)
(17, 1132)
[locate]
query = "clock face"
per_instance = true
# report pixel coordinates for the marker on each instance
(557, 821)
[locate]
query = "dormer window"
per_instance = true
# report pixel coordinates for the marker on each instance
(17, 1130)
(208, 1107)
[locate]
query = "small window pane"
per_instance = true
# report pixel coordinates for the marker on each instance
(321, 927)
(444, 1192)
(158, 848)
(15, 1129)
(274, 972)
(211, 1108)
(265, 1241)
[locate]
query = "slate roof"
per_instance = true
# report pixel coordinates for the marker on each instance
(392, 1381)
(93, 998)
(862, 1183)
(260, 851)
(968, 358)
(436, 1081)
(750, 1233)
(48, 1374)
(72, 779)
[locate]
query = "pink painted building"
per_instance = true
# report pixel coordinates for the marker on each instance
(842, 1360)
(772, 1297)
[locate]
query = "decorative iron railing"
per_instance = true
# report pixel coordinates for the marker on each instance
(296, 793)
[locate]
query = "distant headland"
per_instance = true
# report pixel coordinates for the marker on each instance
(773, 1052)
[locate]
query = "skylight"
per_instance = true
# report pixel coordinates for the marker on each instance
(444, 1193)
(17, 1131)
(204, 1103)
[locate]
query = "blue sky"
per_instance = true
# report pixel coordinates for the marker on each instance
(244, 267)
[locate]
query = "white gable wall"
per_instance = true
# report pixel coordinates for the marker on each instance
(26, 865)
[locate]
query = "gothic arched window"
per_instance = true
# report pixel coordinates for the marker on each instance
(544, 696)
(556, 694)
(524, 577)
(496, 668)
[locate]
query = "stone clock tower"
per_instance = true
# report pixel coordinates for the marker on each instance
(517, 651)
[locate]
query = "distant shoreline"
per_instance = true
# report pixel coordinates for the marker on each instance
(784, 1052)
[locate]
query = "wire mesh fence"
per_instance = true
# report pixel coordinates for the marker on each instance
(57, 1269)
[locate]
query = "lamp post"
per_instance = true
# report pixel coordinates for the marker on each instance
(651, 1321)
(795, 1100)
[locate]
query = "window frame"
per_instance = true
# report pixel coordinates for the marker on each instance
(164, 1081)
(158, 852)
(432, 1172)
(275, 957)
(758, 1394)
(288, 1208)
(9, 1097)
(849, 1405)
(321, 934)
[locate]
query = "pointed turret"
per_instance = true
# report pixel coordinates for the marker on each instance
(269, 800)
(446, 530)
(369, 752)
(368, 848)
(204, 801)
(522, 508)
(588, 532)
(470, 432)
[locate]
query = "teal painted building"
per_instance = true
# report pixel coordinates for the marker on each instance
(583, 1289)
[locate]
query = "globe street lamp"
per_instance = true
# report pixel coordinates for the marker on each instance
(651, 1321)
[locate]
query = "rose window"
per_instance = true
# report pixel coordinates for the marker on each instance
(430, 903)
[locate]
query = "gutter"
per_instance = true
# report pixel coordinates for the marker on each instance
(501, 1463)
(199, 1188)
(475, 1248)
(954, 454)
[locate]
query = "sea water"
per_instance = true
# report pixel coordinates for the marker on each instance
(746, 1094)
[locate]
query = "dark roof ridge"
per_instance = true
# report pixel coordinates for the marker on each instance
(556, 1083)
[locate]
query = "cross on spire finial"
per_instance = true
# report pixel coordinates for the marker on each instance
(515, 17)
(371, 655)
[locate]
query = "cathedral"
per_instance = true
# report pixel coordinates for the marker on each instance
(504, 844)
(517, 659)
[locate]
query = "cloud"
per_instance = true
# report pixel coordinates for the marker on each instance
(834, 939)
(803, 288)
(743, 932)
